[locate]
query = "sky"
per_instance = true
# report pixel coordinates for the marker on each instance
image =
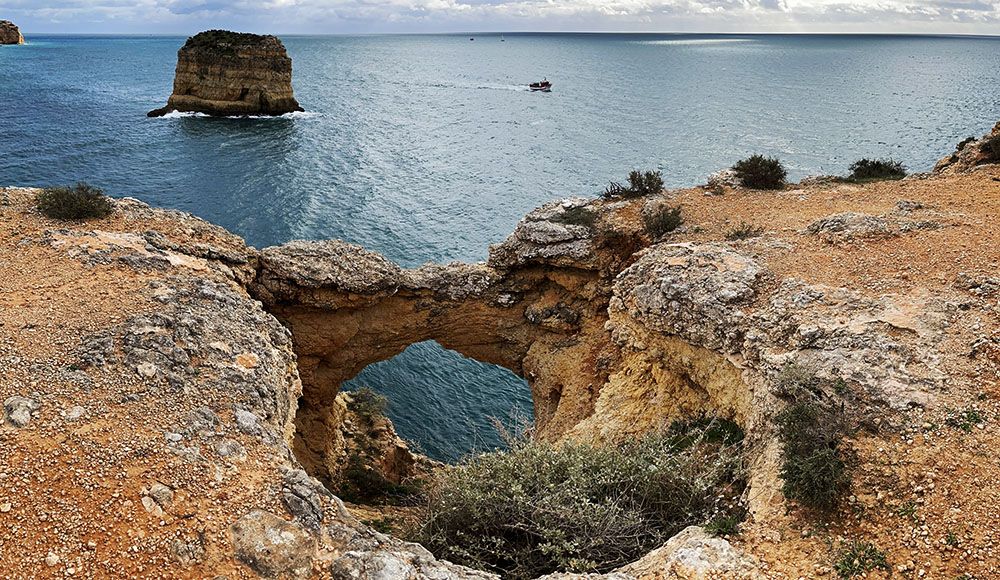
(374, 16)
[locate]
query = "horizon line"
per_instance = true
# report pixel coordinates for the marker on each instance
(537, 32)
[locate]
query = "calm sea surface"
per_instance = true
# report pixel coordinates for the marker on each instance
(430, 148)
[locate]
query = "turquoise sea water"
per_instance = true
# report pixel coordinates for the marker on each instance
(430, 148)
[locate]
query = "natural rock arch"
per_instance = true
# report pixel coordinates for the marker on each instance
(542, 307)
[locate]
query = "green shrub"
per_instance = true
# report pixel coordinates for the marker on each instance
(759, 172)
(79, 202)
(663, 220)
(223, 38)
(876, 169)
(858, 558)
(640, 183)
(744, 231)
(815, 474)
(362, 484)
(991, 148)
(367, 404)
(539, 508)
(964, 420)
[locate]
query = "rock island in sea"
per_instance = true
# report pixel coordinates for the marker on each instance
(227, 73)
(10, 33)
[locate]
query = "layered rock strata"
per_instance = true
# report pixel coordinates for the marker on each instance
(10, 33)
(171, 395)
(232, 74)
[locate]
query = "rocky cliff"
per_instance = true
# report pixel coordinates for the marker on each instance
(9, 33)
(230, 74)
(171, 395)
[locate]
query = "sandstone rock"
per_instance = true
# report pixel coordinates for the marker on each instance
(273, 547)
(9, 33)
(18, 410)
(227, 73)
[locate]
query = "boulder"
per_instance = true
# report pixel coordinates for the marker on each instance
(273, 547)
(231, 74)
(10, 33)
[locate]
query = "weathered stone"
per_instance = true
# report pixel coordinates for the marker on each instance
(18, 410)
(9, 33)
(969, 155)
(273, 547)
(227, 73)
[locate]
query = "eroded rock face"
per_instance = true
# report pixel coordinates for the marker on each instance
(230, 74)
(9, 33)
(970, 154)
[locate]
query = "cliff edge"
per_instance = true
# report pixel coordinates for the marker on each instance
(10, 33)
(226, 73)
(170, 395)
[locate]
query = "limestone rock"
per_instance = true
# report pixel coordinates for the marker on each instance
(333, 263)
(969, 154)
(553, 234)
(695, 292)
(694, 555)
(9, 33)
(273, 547)
(227, 73)
(401, 562)
(18, 410)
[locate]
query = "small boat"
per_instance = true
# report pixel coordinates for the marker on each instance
(544, 85)
(501, 38)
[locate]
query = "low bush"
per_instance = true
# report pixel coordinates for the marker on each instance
(663, 220)
(858, 558)
(991, 148)
(759, 172)
(876, 169)
(743, 231)
(815, 474)
(539, 508)
(362, 484)
(367, 404)
(80, 202)
(640, 183)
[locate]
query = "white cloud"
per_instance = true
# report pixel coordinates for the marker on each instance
(289, 16)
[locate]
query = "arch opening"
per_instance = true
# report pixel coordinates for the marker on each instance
(444, 402)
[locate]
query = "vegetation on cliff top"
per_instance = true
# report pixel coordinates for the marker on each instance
(222, 39)
(539, 508)
(811, 434)
(640, 183)
(662, 220)
(759, 172)
(82, 201)
(876, 169)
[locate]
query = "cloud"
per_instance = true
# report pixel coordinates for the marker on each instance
(289, 16)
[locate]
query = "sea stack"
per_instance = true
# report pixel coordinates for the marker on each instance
(230, 74)
(10, 33)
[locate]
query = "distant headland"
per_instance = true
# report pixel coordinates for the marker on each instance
(227, 73)
(10, 33)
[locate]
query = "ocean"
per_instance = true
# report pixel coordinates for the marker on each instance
(430, 147)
